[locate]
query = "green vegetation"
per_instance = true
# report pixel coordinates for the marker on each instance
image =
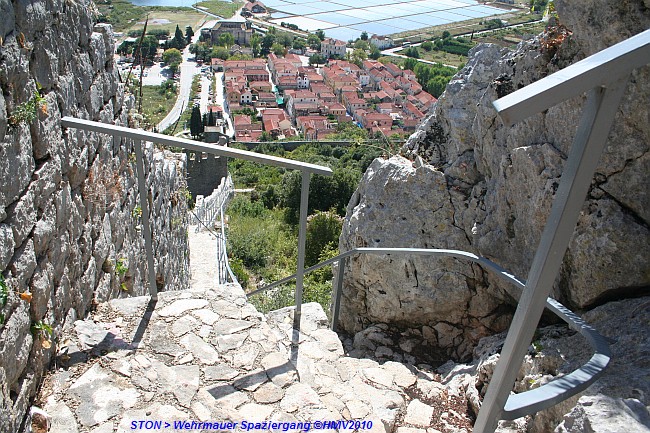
(4, 294)
(432, 78)
(157, 101)
(196, 122)
(171, 17)
(121, 267)
(464, 28)
(125, 16)
(27, 111)
(262, 236)
(460, 46)
(184, 120)
(43, 331)
(225, 9)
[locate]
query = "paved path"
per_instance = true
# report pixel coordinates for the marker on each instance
(188, 69)
(206, 355)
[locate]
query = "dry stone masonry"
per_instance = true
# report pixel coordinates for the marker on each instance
(70, 221)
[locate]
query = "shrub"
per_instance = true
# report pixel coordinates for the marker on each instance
(237, 268)
(323, 229)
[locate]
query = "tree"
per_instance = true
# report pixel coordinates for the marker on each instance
(317, 59)
(375, 53)
(256, 44)
(313, 42)
(220, 53)
(364, 36)
(413, 52)
(201, 51)
(173, 58)
(427, 46)
(361, 44)
(323, 228)
(189, 34)
(358, 56)
(226, 40)
(299, 44)
(410, 63)
(285, 39)
(179, 40)
(278, 49)
(320, 34)
(325, 192)
(147, 50)
(196, 123)
(267, 42)
(446, 35)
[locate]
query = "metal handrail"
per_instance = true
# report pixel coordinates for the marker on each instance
(604, 77)
(214, 203)
(517, 405)
(140, 136)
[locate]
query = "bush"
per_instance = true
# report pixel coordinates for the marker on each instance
(248, 242)
(242, 205)
(237, 268)
(323, 229)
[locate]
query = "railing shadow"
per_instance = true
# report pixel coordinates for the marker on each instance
(143, 324)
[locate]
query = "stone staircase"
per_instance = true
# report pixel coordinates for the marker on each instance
(205, 355)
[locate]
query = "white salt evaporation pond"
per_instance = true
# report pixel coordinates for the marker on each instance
(347, 19)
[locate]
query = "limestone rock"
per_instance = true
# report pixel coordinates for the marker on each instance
(601, 414)
(473, 184)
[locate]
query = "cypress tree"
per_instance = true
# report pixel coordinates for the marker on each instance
(196, 125)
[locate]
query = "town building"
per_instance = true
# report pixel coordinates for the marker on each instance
(237, 26)
(381, 42)
(330, 47)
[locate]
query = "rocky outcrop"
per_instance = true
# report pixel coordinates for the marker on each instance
(471, 183)
(70, 229)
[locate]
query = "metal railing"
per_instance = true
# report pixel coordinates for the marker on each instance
(138, 136)
(518, 405)
(212, 206)
(205, 213)
(604, 76)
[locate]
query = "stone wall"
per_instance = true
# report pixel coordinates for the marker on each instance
(70, 230)
(471, 183)
(204, 173)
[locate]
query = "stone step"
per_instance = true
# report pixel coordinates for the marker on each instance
(209, 356)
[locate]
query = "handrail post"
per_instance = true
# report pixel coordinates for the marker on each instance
(590, 140)
(302, 238)
(336, 302)
(146, 226)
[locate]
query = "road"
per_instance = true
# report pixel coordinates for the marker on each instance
(188, 69)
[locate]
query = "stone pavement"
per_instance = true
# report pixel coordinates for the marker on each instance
(207, 355)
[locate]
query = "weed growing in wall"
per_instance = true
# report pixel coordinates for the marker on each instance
(4, 294)
(27, 111)
(43, 331)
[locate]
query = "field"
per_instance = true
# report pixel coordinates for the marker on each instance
(221, 8)
(462, 27)
(156, 105)
(505, 37)
(168, 19)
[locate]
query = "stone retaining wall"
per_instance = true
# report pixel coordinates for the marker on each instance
(70, 229)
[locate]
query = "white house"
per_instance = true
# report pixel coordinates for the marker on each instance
(381, 42)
